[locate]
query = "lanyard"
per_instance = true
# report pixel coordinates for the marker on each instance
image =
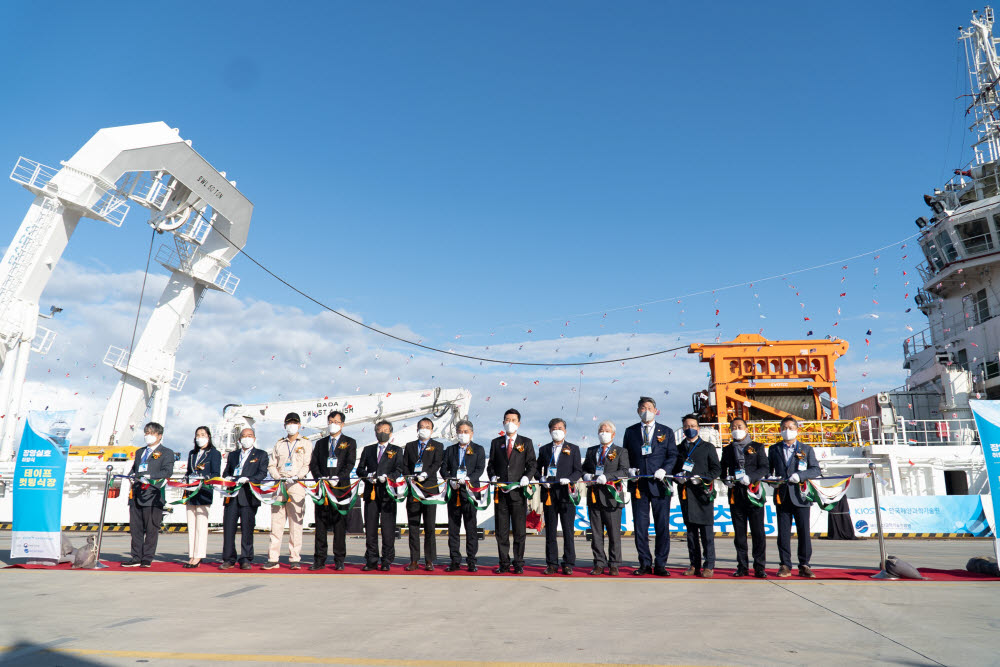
(289, 443)
(244, 457)
(198, 457)
(696, 443)
(461, 455)
(604, 454)
(556, 449)
(421, 447)
(145, 454)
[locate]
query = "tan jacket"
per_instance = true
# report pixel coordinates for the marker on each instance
(301, 452)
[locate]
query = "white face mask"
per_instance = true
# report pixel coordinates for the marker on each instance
(606, 437)
(202, 442)
(648, 416)
(333, 428)
(291, 429)
(558, 435)
(424, 434)
(510, 427)
(247, 443)
(789, 434)
(739, 433)
(465, 438)
(150, 439)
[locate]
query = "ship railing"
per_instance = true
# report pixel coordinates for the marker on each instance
(917, 343)
(818, 433)
(917, 432)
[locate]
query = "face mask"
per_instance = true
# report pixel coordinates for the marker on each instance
(247, 443)
(789, 434)
(383, 437)
(606, 438)
(510, 427)
(739, 433)
(691, 433)
(424, 434)
(558, 435)
(648, 416)
(202, 442)
(150, 439)
(465, 438)
(333, 428)
(291, 429)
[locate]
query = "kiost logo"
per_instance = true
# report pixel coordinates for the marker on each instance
(862, 526)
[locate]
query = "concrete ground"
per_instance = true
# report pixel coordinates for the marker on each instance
(86, 618)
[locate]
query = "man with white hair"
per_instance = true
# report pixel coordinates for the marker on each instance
(605, 463)
(246, 464)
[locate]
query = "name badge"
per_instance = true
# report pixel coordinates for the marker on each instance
(803, 465)
(599, 470)
(647, 450)
(688, 466)
(143, 467)
(551, 471)
(418, 467)
(288, 465)
(461, 472)
(738, 473)
(331, 462)
(238, 471)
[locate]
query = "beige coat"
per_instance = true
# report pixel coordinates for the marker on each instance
(301, 452)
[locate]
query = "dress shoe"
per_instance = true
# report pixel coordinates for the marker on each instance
(551, 569)
(385, 567)
(641, 570)
(245, 566)
(759, 573)
(596, 571)
(806, 571)
(338, 566)
(518, 569)
(501, 569)
(188, 566)
(146, 565)
(613, 571)
(740, 572)
(661, 571)
(784, 571)
(317, 566)
(411, 567)
(567, 569)
(691, 572)
(269, 566)
(429, 567)
(132, 563)
(295, 566)
(226, 566)
(454, 567)
(708, 573)
(369, 567)
(472, 568)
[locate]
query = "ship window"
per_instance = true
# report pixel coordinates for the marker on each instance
(975, 236)
(946, 246)
(980, 306)
(933, 257)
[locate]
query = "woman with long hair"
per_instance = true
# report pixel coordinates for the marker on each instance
(204, 462)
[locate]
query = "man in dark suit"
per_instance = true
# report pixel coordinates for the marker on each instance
(651, 451)
(698, 462)
(559, 469)
(379, 463)
(463, 462)
(512, 461)
(332, 457)
(422, 459)
(246, 464)
(605, 463)
(153, 462)
(794, 462)
(744, 462)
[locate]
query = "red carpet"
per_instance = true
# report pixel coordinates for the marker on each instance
(829, 574)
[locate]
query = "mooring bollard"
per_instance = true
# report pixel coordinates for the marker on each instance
(100, 527)
(882, 574)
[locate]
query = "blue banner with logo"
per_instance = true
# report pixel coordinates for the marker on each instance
(987, 414)
(38, 485)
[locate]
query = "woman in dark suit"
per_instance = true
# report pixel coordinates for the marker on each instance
(204, 462)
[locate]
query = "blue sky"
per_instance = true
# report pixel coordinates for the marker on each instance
(474, 169)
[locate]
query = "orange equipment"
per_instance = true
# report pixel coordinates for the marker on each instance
(758, 379)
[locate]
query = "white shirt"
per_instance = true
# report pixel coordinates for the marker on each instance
(556, 448)
(650, 429)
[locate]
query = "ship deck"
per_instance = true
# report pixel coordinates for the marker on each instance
(203, 616)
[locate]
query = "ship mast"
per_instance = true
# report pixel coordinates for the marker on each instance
(984, 78)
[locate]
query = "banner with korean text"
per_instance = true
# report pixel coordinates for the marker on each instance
(38, 485)
(987, 414)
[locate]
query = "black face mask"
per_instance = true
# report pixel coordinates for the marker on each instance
(383, 437)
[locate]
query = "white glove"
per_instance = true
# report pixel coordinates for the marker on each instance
(660, 474)
(745, 479)
(494, 479)
(399, 480)
(334, 480)
(242, 480)
(794, 478)
(421, 477)
(453, 483)
(382, 478)
(463, 476)
(144, 479)
(371, 477)
(293, 479)
(728, 483)
(694, 479)
(524, 482)
(587, 477)
(564, 481)
(601, 479)
(633, 472)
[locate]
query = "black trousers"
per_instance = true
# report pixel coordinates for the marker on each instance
(701, 537)
(380, 513)
(416, 514)
(611, 520)
(510, 512)
(246, 516)
(329, 519)
(786, 513)
(743, 513)
(144, 523)
(464, 514)
(553, 519)
(661, 526)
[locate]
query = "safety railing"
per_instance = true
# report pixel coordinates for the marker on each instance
(918, 432)
(107, 206)
(818, 433)
(31, 173)
(118, 358)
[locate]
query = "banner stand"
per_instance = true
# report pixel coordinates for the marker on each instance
(100, 527)
(882, 574)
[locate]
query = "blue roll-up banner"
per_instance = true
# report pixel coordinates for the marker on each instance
(987, 414)
(38, 485)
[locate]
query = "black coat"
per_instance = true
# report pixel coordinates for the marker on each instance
(159, 465)
(432, 459)
(475, 462)
(255, 470)
(346, 453)
(568, 466)
(755, 465)
(210, 466)
(616, 465)
(697, 505)
(391, 466)
(662, 456)
(521, 463)
(791, 493)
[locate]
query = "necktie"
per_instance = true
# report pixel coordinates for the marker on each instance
(645, 435)
(145, 455)
(510, 446)
(461, 457)
(604, 454)
(381, 450)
